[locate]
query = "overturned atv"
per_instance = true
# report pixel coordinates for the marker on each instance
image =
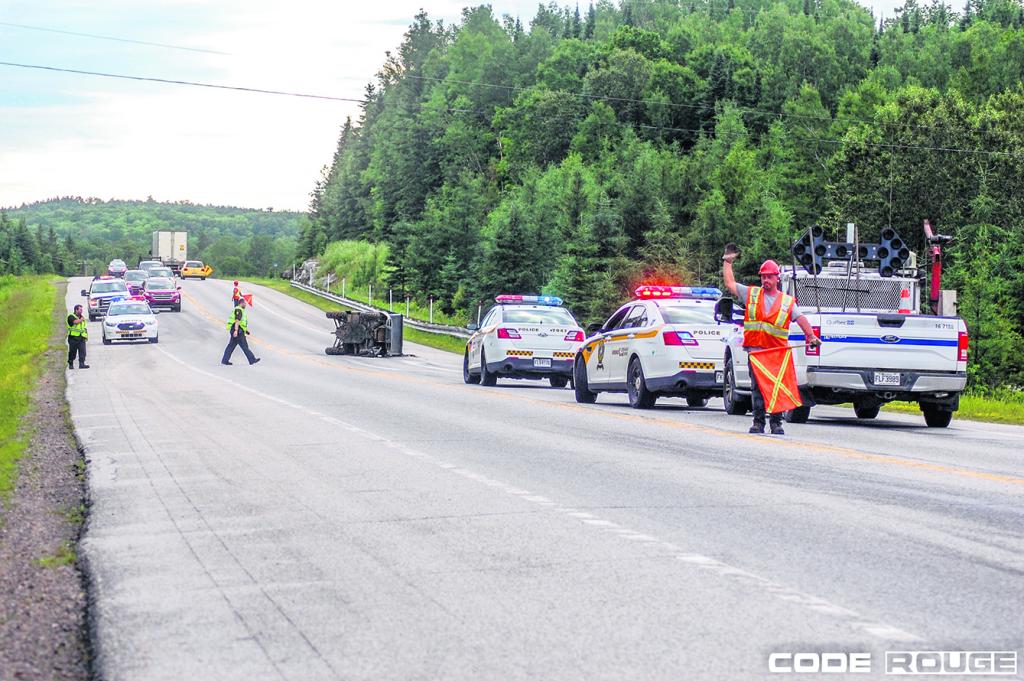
(374, 334)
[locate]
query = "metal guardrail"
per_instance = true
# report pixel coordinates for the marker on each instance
(456, 331)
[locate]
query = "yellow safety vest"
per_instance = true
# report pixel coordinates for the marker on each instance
(243, 322)
(79, 329)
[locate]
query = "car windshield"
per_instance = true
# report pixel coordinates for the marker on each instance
(128, 308)
(688, 313)
(156, 283)
(109, 287)
(551, 315)
(194, 263)
(117, 263)
(161, 272)
(135, 275)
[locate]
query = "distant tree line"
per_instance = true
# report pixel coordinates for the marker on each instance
(589, 151)
(33, 251)
(235, 241)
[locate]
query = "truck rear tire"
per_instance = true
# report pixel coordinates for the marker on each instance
(935, 417)
(798, 415)
(865, 411)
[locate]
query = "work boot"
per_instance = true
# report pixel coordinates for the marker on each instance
(83, 366)
(227, 364)
(71, 365)
(776, 427)
(757, 428)
(255, 360)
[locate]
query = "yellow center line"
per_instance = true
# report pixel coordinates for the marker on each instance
(805, 445)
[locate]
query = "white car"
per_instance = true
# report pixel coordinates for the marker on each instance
(523, 337)
(666, 342)
(130, 320)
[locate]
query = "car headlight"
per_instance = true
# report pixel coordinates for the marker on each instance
(108, 322)
(151, 323)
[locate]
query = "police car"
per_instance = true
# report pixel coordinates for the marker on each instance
(523, 337)
(130, 320)
(666, 342)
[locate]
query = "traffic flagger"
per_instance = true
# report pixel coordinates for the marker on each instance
(769, 313)
(774, 370)
(238, 329)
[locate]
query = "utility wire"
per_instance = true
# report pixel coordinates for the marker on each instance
(694, 131)
(183, 82)
(108, 37)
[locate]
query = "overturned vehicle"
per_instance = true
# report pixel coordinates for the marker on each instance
(372, 334)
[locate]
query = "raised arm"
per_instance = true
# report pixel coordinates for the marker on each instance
(727, 274)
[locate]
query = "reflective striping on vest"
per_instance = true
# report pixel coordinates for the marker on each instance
(776, 329)
(78, 330)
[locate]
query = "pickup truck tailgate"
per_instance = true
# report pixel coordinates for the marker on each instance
(885, 341)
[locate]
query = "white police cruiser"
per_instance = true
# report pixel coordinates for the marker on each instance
(666, 342)
(130, 320)
(523, 337)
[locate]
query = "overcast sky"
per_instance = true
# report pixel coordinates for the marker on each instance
(64, 134)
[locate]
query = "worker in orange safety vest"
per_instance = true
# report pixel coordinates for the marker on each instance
(765, 326)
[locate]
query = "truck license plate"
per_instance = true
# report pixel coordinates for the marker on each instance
(541, 362)
(719, 377)
(887, 378)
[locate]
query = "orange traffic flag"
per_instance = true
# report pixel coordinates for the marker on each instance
(248, 298)
(775, 373)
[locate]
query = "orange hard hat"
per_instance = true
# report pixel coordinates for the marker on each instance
(769, 267)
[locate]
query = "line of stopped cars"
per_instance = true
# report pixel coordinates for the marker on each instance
(127, 300)
(686, 342)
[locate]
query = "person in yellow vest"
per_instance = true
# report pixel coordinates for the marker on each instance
(238, 329)
(769, 312)
(78, 334)
(236, 295)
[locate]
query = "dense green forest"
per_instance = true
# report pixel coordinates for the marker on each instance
(72, 235)
(589, 150)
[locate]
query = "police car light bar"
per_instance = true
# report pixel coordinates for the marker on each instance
(535, 300)
(648, 292)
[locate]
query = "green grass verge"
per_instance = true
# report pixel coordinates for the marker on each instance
(64, 555)
(438, 341)
(27, 306)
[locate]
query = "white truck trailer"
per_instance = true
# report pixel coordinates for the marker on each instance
(877, 345)
(170, 248)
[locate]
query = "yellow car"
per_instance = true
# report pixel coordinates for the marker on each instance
(195, 268)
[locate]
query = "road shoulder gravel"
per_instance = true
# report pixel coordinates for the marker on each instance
(43, 602)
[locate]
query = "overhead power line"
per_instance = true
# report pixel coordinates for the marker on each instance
(113, 38)
(192, 83)
(692, 131)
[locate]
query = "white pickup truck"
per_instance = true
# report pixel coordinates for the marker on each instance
(876, 346)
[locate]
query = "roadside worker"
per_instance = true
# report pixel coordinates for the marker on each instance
(238, 329)
(78, 333)
(766, 326)
(236, 295)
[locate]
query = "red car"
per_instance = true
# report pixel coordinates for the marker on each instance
(161, 292)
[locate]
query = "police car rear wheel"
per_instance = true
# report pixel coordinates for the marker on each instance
(558, 381)
(639, 396)
(486, 377)
(734, 405)
(580, 385)
(468, 377)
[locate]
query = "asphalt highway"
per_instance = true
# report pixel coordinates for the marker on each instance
(316, 517)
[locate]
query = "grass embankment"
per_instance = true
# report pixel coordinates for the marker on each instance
(993, 406)
(433, 340)
(27, 307)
